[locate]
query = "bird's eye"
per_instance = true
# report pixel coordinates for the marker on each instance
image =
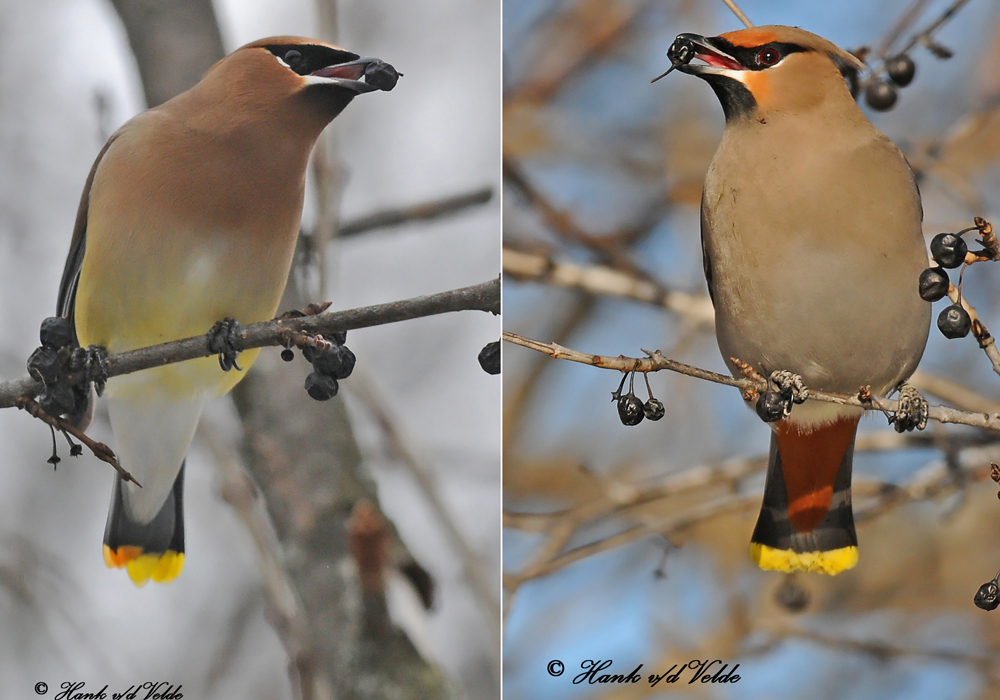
(768, 56)
(292, 57)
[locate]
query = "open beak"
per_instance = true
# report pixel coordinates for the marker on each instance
(362, 75)
(688, 47)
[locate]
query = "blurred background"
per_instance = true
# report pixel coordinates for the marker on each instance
(270, 603)
(631, 543)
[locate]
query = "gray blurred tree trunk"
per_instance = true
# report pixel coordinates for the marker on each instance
(302, 453)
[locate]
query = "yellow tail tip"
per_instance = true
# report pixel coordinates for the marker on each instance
(831, 562)
(162, 568)
(117, 558)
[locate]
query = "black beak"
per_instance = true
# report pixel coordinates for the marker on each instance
(362, 75)
(687, 47)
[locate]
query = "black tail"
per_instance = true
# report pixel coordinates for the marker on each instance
(806, 522)
(147, 550)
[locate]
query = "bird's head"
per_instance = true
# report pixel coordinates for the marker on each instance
(288, 73)
(764, 71)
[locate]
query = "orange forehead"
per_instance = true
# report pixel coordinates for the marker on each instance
(755, 36)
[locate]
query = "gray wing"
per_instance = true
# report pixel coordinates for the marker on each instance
(706, 262)
(66, 303)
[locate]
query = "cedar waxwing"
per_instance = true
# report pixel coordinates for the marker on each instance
(811, 233)
(190, 216)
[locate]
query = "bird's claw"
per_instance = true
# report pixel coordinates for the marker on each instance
(222, 339)
(912, 411)
(773, 406)
(93, 363)
(790, 386)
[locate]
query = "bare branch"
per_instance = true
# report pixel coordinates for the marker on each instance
(480, 297)
(426, 211)
(655, 362)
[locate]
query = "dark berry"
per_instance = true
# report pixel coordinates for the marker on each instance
(954, 322)
(988, 596)
(338, 338)
(771, 406)
(58, 399)
(56, 332)
(81, 397)
(901, 69)
(287, 355)
(44, 365)
(489, 358)
(792, 596)
(653, 409)
(321, 387)
(880, 96)
(934, 284)
(328, 361)
(381, 75)
(630, 409)
(948, 250)
(347, 362)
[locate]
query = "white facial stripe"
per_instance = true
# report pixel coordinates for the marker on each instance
(279, 59)
(319, 80)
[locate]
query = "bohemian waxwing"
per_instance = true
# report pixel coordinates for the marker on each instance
(189, 216)
(811, 233)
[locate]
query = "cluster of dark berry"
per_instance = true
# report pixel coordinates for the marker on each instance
(948, 251)
(881, 94)
(49, 365)
(331, 361)
(632, 409)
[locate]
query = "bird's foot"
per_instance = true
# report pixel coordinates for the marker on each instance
(223, 338)
(773, 406)
(92, 365)
(912, 412)
(66, 370)
(790, 386)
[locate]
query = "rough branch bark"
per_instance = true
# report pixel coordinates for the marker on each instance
(656, 362)
(480, 297)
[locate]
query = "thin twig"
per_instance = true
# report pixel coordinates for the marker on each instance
(656, 361)
(738, 12)
(878, 649)
(600, 279)
(418, 212)
(875, 497)
(926, 36)
(910, 15)
(564, 224)
(480, 297)
(979, 331)
(99, 449)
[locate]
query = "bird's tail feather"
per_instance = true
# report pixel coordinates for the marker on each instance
(806, 522)
(153, 550)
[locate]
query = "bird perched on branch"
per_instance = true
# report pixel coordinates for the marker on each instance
(811, 233)
(189, 217)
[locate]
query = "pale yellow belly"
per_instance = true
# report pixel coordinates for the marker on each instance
(132, 296)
